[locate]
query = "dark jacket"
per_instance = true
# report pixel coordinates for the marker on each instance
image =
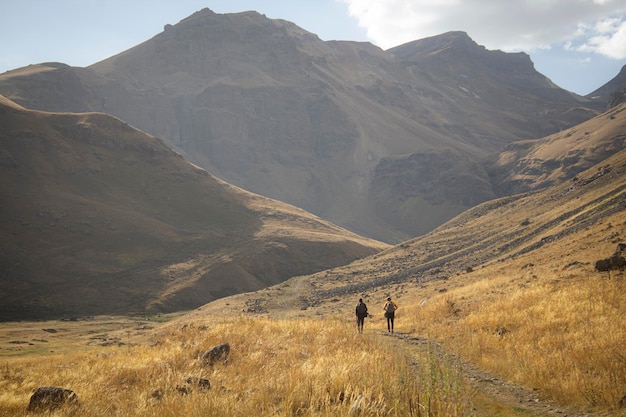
(361, 309)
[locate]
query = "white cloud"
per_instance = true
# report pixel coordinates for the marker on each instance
(587, 25)
(611, 43)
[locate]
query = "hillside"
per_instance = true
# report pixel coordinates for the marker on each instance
(103, 218)
(580, 221)
(344, 130)
(533, 164)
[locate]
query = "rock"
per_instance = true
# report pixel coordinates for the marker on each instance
(201, 383)
(183, 390)
(216, 353)
(603, 265)
(51, 398)
(157, 394)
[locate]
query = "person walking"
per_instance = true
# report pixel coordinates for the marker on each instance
(361, 313)
(390, 312)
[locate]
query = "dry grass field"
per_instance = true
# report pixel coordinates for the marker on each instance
(548, 324)
(276, 367)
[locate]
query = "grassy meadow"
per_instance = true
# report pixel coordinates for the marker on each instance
(276, 367)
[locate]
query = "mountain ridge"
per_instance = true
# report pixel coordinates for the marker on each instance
(268, 106)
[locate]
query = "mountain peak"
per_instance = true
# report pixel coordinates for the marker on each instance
(456, 53)
(446, 42)
(459, 46)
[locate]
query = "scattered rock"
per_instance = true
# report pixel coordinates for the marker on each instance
(501, 331)
(201, 383)
(157, 394)
(191, 382)
(51, 398)
(183, 389)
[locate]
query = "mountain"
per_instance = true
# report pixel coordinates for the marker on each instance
(389, 144)
(99, 217)
(615, 85)
(561, 229)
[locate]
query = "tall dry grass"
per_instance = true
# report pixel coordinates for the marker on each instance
(276, 368)
(559, 330)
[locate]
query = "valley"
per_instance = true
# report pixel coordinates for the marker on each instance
(509, 318)
(188, 225)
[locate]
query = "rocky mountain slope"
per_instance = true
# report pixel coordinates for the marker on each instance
(533, 164)
(99, 217)
(563, 227)
(389, 144)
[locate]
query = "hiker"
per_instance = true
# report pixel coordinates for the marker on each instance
(361, 313)
(390, 312)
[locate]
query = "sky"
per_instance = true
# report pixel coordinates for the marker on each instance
(579, 44)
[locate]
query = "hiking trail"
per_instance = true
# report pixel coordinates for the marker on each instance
(501, 391)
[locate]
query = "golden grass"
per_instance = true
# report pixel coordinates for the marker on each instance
(276, 367)
(561, 331)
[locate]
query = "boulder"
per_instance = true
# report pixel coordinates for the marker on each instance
(51, 398)
(603, 265)
(617, 262)
(218, 353)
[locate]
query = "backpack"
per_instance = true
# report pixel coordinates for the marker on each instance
(361, 309)
(389, 308)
